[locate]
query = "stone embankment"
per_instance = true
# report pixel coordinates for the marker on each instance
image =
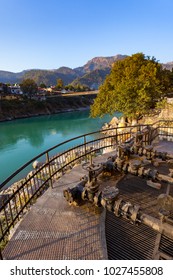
(25, 108)
(163, 114)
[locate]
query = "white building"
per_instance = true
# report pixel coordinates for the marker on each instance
(15, 89)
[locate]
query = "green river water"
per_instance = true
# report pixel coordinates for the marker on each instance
(23, 139)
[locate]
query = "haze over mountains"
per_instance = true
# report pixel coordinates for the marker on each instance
(92, 74)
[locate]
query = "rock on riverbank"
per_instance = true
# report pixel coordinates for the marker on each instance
(165, 113)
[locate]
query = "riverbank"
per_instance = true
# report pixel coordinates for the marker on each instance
(25, 108)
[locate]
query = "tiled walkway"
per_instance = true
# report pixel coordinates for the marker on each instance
(52, 229)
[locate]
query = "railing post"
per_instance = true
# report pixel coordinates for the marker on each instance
(50, 178)
(158, 128)
(116, 136)
(85, 148)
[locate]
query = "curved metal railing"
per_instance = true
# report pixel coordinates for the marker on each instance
(17, 198)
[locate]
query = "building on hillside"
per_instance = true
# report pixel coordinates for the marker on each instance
(49, 90)
(14, 89)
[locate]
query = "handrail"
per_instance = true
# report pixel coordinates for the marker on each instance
(56, 146)
(33, 185)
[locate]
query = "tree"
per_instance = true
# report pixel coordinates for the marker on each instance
(43, 85)
(167, 81)
(133, 87)
(69, 87)
(29, 87)
(59, 84)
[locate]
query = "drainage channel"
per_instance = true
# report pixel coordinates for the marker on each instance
(127, 241)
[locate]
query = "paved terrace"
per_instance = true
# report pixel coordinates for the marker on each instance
(52, 229)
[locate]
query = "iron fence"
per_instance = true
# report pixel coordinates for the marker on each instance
(15, 200)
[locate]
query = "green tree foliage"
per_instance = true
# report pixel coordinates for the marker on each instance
(43, 85)
(167, 81)
(59, 84)
(133, 87)
(77, 88)
(69, 87)
(29, 87)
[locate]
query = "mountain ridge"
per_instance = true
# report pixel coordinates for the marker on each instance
(91, 74)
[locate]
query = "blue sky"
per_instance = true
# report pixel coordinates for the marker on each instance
(48, 34)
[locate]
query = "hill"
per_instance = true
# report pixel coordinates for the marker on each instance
(96, 70)
(92, 74)
(99, 63)
(93, 79)
(49, 77)
(168, 65)
(10, 77)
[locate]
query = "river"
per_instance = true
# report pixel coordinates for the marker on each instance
(23, 139)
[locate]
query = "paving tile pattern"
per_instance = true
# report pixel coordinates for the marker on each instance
(53, 229)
